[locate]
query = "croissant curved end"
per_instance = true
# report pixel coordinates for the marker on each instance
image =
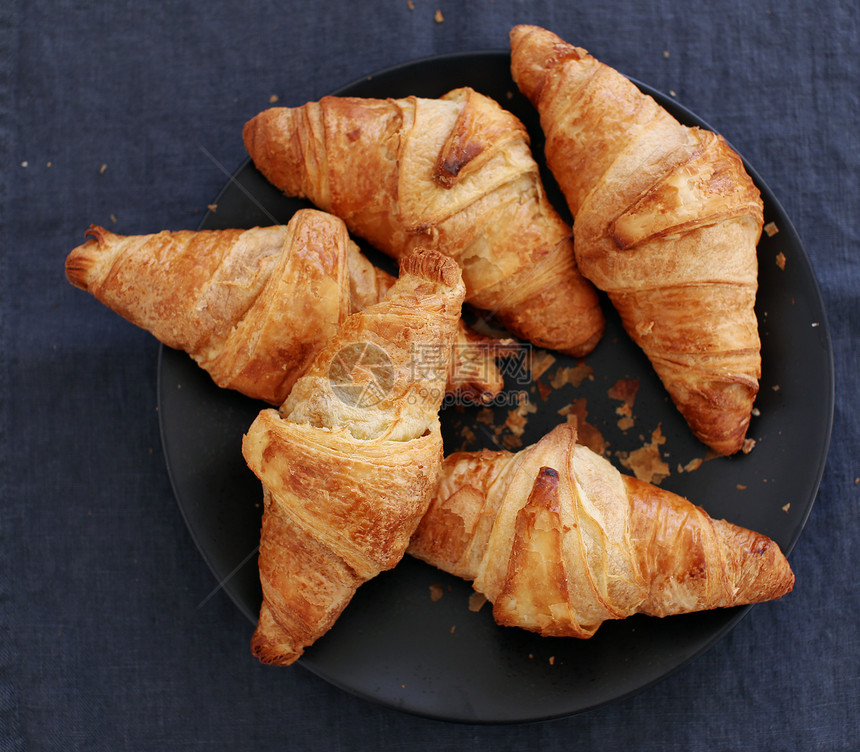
(432, 266)
(534, 50)
(81, 260)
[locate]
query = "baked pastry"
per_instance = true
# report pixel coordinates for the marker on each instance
(455, 174)
(666, 221)
(560, 541)
(253, 307)
(349, 462)
(473, 375)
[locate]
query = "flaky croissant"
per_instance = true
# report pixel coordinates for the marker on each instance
(666, 221)
(253, 307)
(349, 464)
(455, 174)
(560, 541)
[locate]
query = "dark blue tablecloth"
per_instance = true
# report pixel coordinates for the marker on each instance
(129, 115)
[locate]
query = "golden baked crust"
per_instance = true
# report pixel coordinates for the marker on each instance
(560, 541)
(250, 306)
(455, 174)
(666, 221)
(253, 307)
(347, 475)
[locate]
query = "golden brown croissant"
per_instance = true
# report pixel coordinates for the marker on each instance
(455, 174)
(349, 464)
(560, 541)
(473, 375)
(253, 307)
(666, 221)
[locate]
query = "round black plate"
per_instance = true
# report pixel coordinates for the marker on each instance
(396, 645)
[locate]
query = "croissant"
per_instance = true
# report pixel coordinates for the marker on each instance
(253, 307)
(666, 221)
(455, 174)
(560, 541)
(473, 375)
(349, 462)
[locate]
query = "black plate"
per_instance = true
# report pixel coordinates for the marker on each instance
(397, 646)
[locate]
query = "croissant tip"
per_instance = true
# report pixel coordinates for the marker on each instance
(249, 134)
(80, 261)
(520, 30)
(269, 655)
(520, 33)
(534, 50)
(432, 266)
(256, 126)
(769, 573)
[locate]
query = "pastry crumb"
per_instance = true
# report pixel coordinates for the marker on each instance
(435, 592)
(786, 507)
(485, 416)
(476, 601)
(693, 464)
(102, 169)
(586, 434)
(780, 260)
(741, 487)
(439, 18)
(626, 423)
(518, 417)
(274, 98)
(573, 375)
(541, 361)
(512, 442)
(468, 434)
(646, 462)
(212, 207)
(552, 660)
(624, 390)
(771, 229)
